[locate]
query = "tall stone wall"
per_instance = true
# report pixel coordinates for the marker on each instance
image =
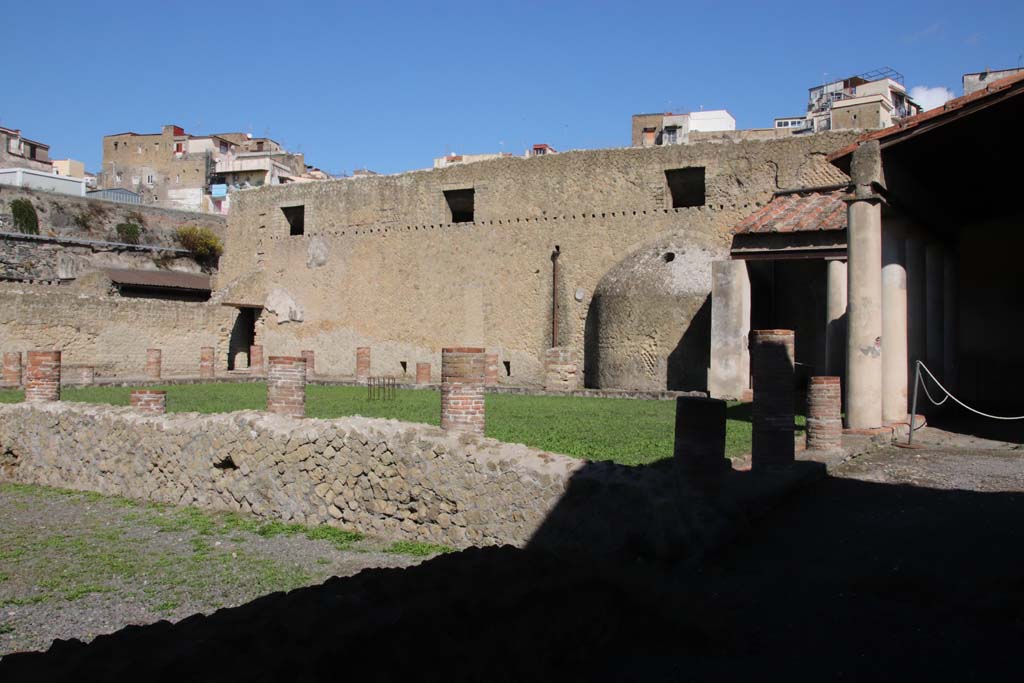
(380, 263)
(392, 479)
(112, 333)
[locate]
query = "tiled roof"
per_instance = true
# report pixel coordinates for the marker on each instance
(820, 173)
(798, 212)
(950, 108)
(160, 278)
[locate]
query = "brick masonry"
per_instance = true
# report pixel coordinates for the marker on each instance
(42, 376)
(824, 414)
(310, 363)
(12, 369)
(286, 386)
(561, 372)
(154, 358)
(700, 437)
(206, 363)
(771, 366)
(463, 372)
(256, 360)
(149, 401)
(491, 369)
(362, 363)
(423, 373)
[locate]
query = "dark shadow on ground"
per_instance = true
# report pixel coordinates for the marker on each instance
(848, 581)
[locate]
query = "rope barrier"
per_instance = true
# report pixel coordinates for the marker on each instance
(958, 401)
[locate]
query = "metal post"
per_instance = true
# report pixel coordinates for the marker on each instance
(913, 403)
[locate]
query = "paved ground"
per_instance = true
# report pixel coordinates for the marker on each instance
(901, 565)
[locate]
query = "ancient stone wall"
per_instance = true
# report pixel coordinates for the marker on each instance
(112, 333)
(97, 219)
(393, 479)
(380, 263)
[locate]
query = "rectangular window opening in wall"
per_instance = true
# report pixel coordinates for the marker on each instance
(686, 186)
(296, 217)
(460, 205)
(508, 367)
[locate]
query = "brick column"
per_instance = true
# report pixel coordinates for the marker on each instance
(462, 389)
(286, 386)
(362, 363)
(700, 437)
(310, 358)
(149, 401)
(256, 360)
(824, 421)
(423, 373)
(560, 371)
(771, 363)
(78, 374)
(491, 369)
(12, 369)
(153, 361)
(42, 376)
(206, 362)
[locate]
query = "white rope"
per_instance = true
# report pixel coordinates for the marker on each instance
(958, 401)
(924, 385)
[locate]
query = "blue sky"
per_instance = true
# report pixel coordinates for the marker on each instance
(390, 85)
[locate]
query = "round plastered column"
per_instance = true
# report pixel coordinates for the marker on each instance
(149, 401)
(206, 357)
(423, 373)
(12, 369)
(463, 372)
(771, 364)
(286, 386)
(362, 363)
(824, 418)
(42, 376)
(154, 358)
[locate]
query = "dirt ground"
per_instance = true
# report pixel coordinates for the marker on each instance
(899, 565)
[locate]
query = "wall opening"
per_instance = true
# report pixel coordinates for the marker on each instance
(508, 367)
(405, 366)
(243, 335)
(460, 205)
(296, 217)
(686, 186)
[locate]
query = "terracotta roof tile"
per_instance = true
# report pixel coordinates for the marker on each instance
(798, 212)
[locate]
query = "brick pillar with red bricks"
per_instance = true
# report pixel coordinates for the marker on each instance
(206, 362)
(310, 363)
(256, 360)
(700, 438)
(423, 373)
(149, 401)
(771, 365)
(286, 385)
(362, 363)
(824, 414)
(154, 359)
(463, 371)
(12, 370)
(491, 369)
(560, 369)
(42, 376)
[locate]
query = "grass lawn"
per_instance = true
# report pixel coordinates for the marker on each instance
(627, 431)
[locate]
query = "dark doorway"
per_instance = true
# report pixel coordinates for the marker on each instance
(243, 335)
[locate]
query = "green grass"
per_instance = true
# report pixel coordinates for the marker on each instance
(417, 549)
(626, 431)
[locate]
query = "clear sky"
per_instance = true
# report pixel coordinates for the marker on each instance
(390, 85)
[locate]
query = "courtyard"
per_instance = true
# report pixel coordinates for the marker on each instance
(624, 431)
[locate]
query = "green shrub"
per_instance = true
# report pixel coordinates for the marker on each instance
(129, 232)
(25, 218)
(204, 245)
